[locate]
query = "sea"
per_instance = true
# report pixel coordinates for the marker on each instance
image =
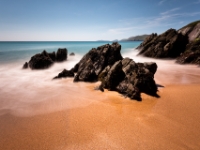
(21, 88)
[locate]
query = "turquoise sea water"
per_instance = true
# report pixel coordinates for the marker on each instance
(16, 51)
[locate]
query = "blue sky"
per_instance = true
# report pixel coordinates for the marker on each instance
(77, 20)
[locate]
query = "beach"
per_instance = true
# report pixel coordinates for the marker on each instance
(39, 113)
(114, 122)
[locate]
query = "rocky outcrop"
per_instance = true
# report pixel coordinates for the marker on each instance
(191, 55)
(192, 30)
(65, 73)
(106, 64)
(45, 60)
(40, 61)
(130, 78)
(91, 65)
(61, 54)
(184, 44)
(169, 44)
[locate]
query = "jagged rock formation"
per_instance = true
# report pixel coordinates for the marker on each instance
(106, 64)
(45, 60)
(184, 44)
(65, 73)
(90, 66)
(191, 54)
(169, 44)
(130, 78)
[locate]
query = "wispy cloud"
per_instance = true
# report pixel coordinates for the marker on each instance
(168, 18)
(119, 30)
(170, 11)
(197, 2)
(161, 2)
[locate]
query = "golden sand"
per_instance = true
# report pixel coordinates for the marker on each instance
(109, 121)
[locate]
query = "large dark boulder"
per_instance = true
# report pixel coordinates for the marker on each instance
(90, 66)
(167, 45)
(61, 54)
(40, 61)
(106, 64)
(45, 60)
(130, 78)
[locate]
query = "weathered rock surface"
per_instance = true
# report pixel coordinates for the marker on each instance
(192, 30)
(40, 61)
(45, 60)
(184, 44)
(61, 54)
(169, 44)
(191, 55)
(130, 78)
(106, 64)
(90, 66)
(65, 73)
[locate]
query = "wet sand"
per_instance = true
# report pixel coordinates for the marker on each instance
(37, 113)
(109, 121)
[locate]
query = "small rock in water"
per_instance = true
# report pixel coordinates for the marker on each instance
(72, 54)
(25, 66)
(65, 73)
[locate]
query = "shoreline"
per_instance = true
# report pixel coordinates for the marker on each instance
(38, 113)
(115, 122)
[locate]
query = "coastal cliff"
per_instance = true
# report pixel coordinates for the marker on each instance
(182, 44)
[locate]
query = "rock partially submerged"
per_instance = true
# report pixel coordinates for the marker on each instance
(130, 78)
(91, 65)
(191, 55)
(183, 44)
(72, 54)
(167, 45)
(45, 60)
(25, 66)
(65, 73)
(106, 64)
(40, 61)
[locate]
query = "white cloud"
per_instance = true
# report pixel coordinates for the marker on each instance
(161, 2)
(170, 11)
(167, 19)
(119, 30)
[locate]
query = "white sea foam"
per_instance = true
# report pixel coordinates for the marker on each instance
(31, 92)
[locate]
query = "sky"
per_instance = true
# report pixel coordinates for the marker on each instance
(90, 20)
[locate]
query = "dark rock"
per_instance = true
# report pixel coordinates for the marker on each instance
(167, 45)
(192, 54)
(115, 73)
(72, 54)
(90, 66)
(52, 56)
(87, 73)
(25, 66)
(65, 73)
(61, 54)
(45, 60)
(40, 61)
(113, 76)
(130, 78)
